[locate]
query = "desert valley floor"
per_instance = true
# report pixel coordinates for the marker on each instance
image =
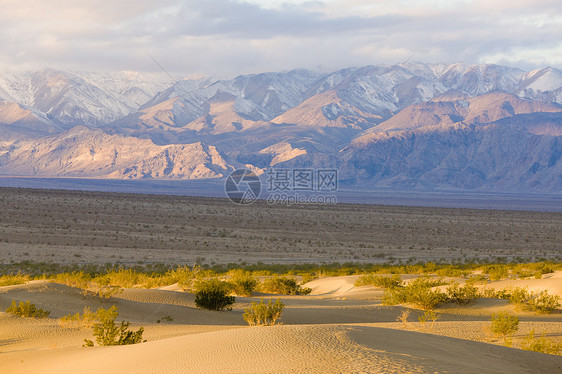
(337, 328)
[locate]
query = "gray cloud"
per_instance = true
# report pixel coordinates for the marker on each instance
(232, 37)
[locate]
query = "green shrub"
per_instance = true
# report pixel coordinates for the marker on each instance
(107, 332)
(262, 314)
(503, 294)
(539, 302)
(283, 286)
(461, 295)
(418, 294)
(26, 309)
(243, 284)
(379, 281)
(542, 303)
(214, 300)
(212, 284)
(504, 325)
(542, 344)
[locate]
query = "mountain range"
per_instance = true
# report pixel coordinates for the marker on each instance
(412, 125)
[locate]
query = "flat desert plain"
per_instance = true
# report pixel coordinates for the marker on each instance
(337, 328)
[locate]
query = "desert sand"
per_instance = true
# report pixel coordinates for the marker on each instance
(339, 328)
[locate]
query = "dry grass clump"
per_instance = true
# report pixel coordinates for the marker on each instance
(26, 309)
(379, 281)
(262, 314)
(10, 280)
(541, 344)
(283, 286)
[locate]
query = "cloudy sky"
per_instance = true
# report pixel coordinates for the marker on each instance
(228, 37)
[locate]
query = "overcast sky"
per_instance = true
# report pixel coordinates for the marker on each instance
(225, 38)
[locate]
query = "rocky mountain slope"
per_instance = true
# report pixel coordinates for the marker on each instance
(486, 127)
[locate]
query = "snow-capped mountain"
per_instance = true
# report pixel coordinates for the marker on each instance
(413, 124)
(72, 99)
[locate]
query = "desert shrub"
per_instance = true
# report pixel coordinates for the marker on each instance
(243, 284)
(309, 277)
(427, 282)
(417, 293)
(103, 289)
(504, 294)
(461, 294)
(99, 286)
(379, 281)
(541, 344)
(496, 272)
(107, 332)
(504, 325)
(261, 314)
(403, 317)
(212, 284)
(451, 271)
(10, 280)
(539, 302)
(429, 315)
(283, 286)
(213, 294)
(77, 279)
(126, 278)
(26, 309)
(542, 303)
(87, 319)
(477, 279)
(214, 300)
(183, 276)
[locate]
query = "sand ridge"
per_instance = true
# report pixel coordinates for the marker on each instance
(338, 329)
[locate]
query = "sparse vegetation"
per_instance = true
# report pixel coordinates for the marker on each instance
(283, 286)
(165, 319)
(213, 294)
(10, 280)
(541, 344)
(504, 325)
(87, 318)
(429, 315)
(403, 317)
(243, 283)
(107, 332)
(262, 314)
(418, 293)
(461, 294)
(26, 309)
(381, 281)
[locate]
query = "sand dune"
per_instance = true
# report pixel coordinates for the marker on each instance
(552, 283)
(338, 329)
(293, 349)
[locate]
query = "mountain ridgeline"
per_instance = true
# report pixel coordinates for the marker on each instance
(413, 125)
